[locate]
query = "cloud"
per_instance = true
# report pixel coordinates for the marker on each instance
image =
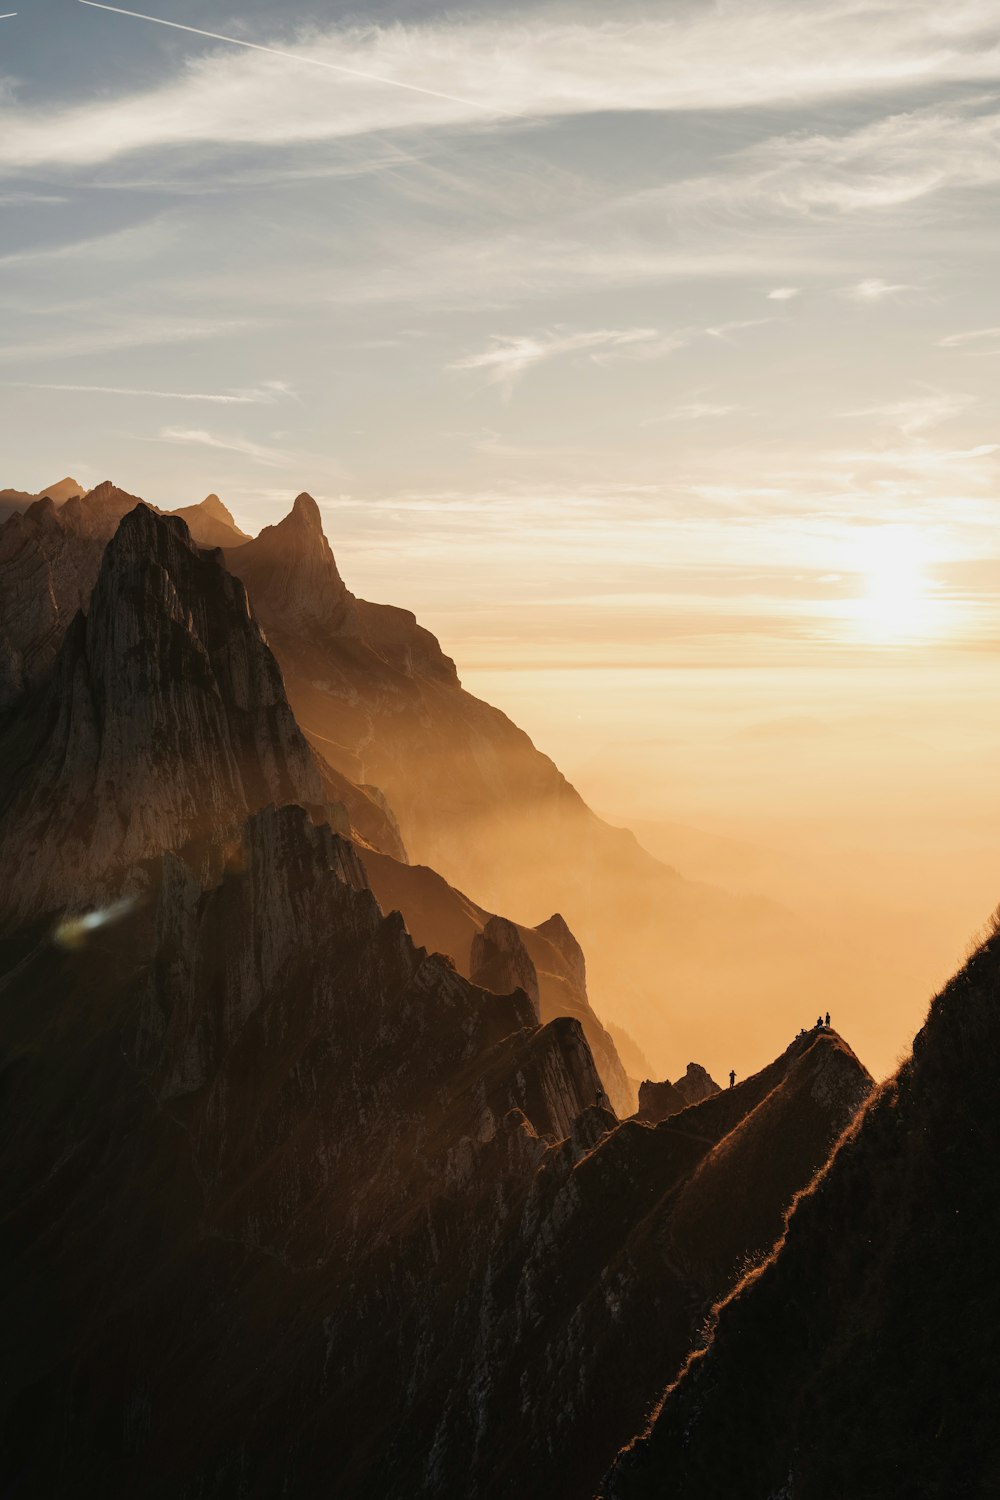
(129, 333)
(874, 289)
(529, 66)
(783, 294)
(508, 357)
(263, 395)
(272, 458)
(691, 411)
(918, 413)
(975, 335)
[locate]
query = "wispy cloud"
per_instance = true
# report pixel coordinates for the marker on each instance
(509, 357)
(783, 293)
(129, 333)
(263, 395)
(874, 289)
(916, 414)
(691, 411)
(973, 336)
(271, 458)
(446, 73)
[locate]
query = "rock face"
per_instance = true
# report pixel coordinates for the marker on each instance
(499, 961)
(657, 1101)
(443, 919)
(49, 561)
(294, 580)
(860, 1359)
(164, 723)
(697, 1084)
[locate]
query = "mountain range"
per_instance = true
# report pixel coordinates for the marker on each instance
(322, 1175)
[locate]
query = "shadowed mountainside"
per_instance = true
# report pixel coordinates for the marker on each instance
(860, 1360)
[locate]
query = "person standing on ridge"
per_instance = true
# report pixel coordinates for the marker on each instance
(732, 1077)
(828, 1018)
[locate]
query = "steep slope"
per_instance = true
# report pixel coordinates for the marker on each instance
(258, 1150)
(860, 1360)
(164, 722)
(444, 920)
(49, 561)
(319, 1216)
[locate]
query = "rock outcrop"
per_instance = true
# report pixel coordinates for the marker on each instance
(499, 961)
(163, 723)
(859, 1359)
(443, 919)
(657, 1101)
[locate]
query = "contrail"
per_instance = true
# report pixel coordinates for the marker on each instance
(8, 15)
(313, 62)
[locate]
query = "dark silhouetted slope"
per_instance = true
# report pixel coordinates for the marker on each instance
(861, 1359)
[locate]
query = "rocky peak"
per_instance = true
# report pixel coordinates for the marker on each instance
(696, 1084)
(164, 722)
(213, 506)
(292, 577)
(556, 929)
(500, 961)
(96, 514)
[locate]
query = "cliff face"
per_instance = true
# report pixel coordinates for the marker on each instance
(49, 561)
(860, 1359)
(164, 721)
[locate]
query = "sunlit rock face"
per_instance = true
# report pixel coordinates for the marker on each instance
(163, 722)
(49, 561)
(499, 961)
(860, 1359)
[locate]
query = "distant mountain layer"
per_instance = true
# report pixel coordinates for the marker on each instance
(59, 493)
(861, 1359)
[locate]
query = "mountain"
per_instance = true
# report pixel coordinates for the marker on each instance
(49, 561)
(477, 802)
(546, 961)
(164, 722)
(58, 493)
(210, 523)
(860, 1358)
(291, 1205)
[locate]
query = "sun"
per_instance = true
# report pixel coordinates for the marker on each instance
(897, 605)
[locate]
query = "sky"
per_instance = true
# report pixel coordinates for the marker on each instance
(650, 353)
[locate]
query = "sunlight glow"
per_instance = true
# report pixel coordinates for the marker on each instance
(897, 605)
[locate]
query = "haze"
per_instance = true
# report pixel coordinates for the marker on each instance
(654, 367)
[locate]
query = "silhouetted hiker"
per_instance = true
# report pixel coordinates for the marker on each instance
(819, 1022)
(828, 1018)
(603, 1102)
(732, 1077)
